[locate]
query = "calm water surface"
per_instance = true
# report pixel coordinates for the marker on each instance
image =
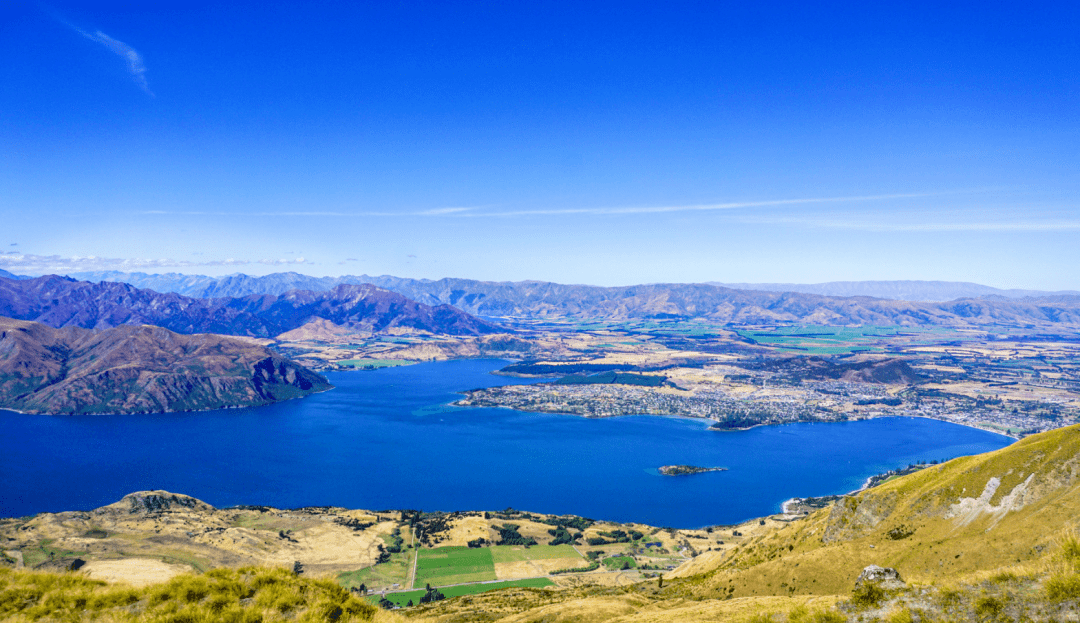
(385, 440)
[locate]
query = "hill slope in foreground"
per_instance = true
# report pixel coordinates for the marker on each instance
(987, 537)
(139, 369)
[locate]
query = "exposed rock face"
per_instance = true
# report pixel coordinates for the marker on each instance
(139, 369)
(967, 510)
(885, 577)
(63, 302)
(856, 516)
(158, 501)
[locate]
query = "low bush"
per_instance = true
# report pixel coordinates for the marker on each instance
(248, 595)
(1063, 587)
(868, 595)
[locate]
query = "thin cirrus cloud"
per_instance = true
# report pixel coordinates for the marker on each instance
(477, 212)
(888, 223)
(27, 263)
(135, 65)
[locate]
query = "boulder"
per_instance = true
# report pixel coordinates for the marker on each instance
(885, 577)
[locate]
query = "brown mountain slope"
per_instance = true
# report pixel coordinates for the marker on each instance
(139, 369)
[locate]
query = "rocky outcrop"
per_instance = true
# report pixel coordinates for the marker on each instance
(146, 502)
(967, 510)
(884, 577)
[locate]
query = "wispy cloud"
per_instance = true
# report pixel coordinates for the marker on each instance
(888, 223)
(445, 211)
(31, 264)
(135, 65)
(482, 212)
(734, 205)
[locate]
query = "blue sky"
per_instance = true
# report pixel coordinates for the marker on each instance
(604, 143)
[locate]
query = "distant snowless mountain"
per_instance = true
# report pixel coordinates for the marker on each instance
(267, 306)
(899, 290)
(424, 290)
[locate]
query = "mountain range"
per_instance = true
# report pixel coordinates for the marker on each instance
(900, 290)
(65, 302)
(139, 369)
(449, 306)
(6, 275)
(238, 285)
(540, 299)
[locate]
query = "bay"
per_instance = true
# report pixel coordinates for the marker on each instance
(386, 439)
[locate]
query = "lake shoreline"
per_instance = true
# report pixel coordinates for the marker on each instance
(301, 453)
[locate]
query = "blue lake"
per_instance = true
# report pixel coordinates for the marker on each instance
(385, 440)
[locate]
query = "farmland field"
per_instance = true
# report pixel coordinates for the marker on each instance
(617, 562)
(454, 565)
(403, 598)
(394, 571)
(517, 553)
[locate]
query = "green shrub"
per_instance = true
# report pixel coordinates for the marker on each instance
(989, 608)
(1063, 587)
(1070, 550)
(868, 595)
(950, 597)
(1003, 577)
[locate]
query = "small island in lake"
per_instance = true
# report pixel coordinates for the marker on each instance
(686, 470)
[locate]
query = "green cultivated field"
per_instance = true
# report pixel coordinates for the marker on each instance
(823, 340)
(402, 599)
(454, 565)
(517, 553)
(386, 574)
(617, 562)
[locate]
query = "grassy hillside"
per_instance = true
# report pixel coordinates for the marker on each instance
(972, 513)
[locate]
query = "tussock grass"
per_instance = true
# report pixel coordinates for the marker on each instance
(1064, 581)
(248, 595)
